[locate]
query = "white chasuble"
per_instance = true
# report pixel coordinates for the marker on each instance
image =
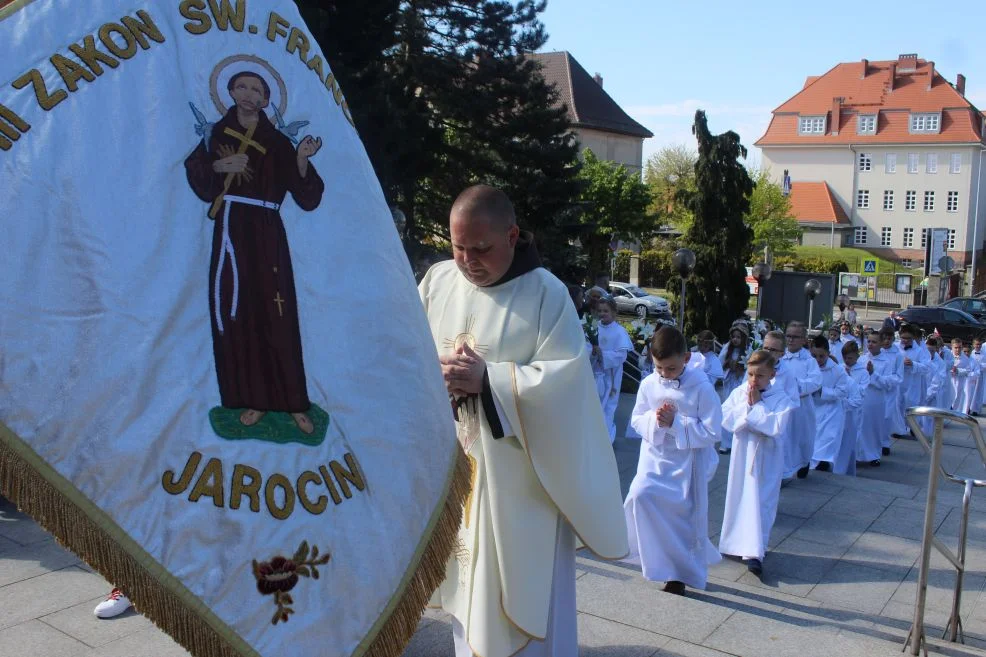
(559, 460)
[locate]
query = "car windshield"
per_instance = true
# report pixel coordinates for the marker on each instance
(636, 291)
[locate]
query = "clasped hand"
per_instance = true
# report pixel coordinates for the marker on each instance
(753, 395)
(665, 415)
(463, 372)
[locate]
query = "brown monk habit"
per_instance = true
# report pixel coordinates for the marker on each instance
(258, 348)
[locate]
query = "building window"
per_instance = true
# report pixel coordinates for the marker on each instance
(910, 200)
(929, 201)
(908, 238)
(863, 198)
(906, 263)
(951, 238)
(952, 203)
(912, 163)
(955, 165)
(811, 125)
(925, 122)
(888, 199)
(885, 234)
(931, 162)
(865, 161)
(924, 238)
(859, 235)
(867, 124)
(891, 163)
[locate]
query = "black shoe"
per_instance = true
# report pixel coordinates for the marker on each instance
(725, 450)
(803, 472)
(875, 463)
(675, 587)
(886, 451)
(755, 566)
(898, 436)
(824, 466)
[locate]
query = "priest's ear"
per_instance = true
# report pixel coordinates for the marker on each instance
(512, 234)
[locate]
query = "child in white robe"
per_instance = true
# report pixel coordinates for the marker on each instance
(895, 411)
(937, 383)
(880, 394)
(959, 373)
(859, 379)
(914, 384)
(835, 344)
(803, 368)
(971, 381)
(980, 357)
(758, 413)
(733, 357)
(667, 509)
(705, 341)
(945, 351)
(830, 412)
(609, 355)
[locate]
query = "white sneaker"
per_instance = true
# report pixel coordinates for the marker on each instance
(114, 605)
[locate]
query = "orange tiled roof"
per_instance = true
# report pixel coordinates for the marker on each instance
(813, 202)
(873, 93)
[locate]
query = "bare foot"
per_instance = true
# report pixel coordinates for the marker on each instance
(250, 417)
(303, 422)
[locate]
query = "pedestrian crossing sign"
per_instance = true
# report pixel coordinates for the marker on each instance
(869, 267)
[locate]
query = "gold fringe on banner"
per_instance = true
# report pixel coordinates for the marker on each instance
(43, 494)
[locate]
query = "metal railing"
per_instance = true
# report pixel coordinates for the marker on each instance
(916, 636)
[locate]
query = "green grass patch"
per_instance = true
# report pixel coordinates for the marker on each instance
(853, 258)
(273, 427)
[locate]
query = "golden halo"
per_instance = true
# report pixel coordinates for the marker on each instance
(464, 339)
(254, 64)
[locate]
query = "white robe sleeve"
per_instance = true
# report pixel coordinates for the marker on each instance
(812, 380)
(701, 431)
(644, 417)
(615, 355)
(713, 369)
(769, 421)
(854, 397)
(735, 409)
(839, 389)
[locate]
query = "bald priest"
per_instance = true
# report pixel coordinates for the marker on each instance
(516, 367)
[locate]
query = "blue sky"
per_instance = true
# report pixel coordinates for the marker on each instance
(739, 60)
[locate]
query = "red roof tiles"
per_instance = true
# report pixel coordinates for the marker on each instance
(813, 202)
(880, 88)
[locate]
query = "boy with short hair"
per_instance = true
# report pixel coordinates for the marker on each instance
(803, 368)
(711, 366)
(859, 380)
(835, 343)
(877, 401)
(678, 414)
(980, 392)
(895, 412)
(758, 414)
(830, 414)
(961, 368)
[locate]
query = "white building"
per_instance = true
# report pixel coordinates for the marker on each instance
(598, 122)
(898, 147)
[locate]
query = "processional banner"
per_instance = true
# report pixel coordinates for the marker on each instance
(217, 384)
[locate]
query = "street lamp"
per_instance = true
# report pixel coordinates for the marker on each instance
(761, 272)
(683, 262)
(812, 288)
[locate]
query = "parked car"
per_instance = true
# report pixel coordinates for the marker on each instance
(951, 323)
(972, 305)
(631, 299)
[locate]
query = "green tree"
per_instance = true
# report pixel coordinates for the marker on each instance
(716, 292)
(615, 203)
(770, 217)
(670, 176)
(443, 96)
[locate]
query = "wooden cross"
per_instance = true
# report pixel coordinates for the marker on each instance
(280, 304)
(246, 141)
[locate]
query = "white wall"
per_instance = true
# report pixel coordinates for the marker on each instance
(622, 149)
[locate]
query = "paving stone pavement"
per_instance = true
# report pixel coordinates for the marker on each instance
(840, 579)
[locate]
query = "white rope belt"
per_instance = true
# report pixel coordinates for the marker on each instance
(227, 247)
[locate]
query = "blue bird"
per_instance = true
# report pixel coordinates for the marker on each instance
(203, 128)
(290, 130)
